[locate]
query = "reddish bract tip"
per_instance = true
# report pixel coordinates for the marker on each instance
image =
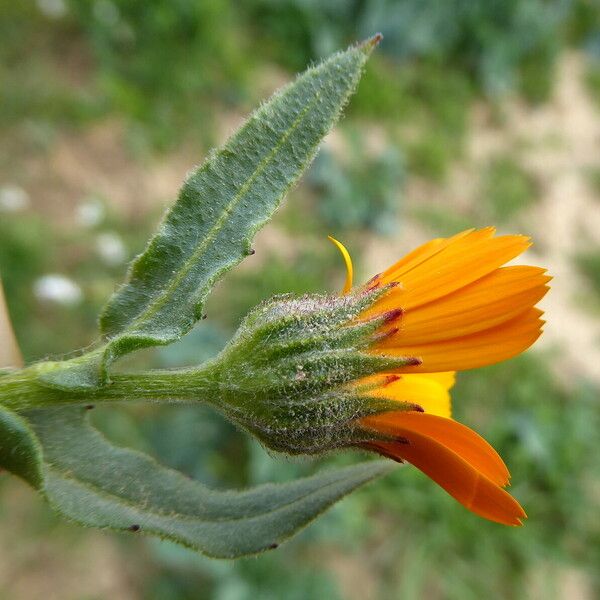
(376, 39)
(373, 282)
(392, 315)
(413, 361)
(372, 42)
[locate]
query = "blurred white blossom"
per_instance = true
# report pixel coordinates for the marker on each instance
(54, 9)
(13, 198)
(58, 289)
(90, 213)
(110, 248)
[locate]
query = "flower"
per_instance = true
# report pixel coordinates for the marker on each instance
(372, 368)
(450, 305)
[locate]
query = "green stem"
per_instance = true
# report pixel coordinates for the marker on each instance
(22, 389)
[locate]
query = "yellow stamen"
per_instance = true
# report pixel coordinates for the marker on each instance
(348, 261)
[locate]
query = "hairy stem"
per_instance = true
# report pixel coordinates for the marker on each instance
(21, 389)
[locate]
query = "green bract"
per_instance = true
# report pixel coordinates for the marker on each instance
(283, 377)
(287, 374)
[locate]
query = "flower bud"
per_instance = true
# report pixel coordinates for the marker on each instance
(288, 375)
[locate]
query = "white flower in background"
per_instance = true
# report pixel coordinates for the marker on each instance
(54, 9)
(13, 198)
(110, 248)
(90, 213)
(57, 289)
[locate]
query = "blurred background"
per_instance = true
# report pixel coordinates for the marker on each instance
(470, 113)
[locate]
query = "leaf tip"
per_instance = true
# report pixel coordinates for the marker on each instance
(371, 43)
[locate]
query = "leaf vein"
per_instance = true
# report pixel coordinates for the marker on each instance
(130, 503)
(159, 301)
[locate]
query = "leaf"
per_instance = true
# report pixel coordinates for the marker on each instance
(87, 479)
(220, 208)
(223, 204)
(19, 449)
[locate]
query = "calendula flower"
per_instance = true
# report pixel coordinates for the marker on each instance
(372, 368)
(451, 305)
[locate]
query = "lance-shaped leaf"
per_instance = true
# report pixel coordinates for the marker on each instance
(87, 479)
(220, 208)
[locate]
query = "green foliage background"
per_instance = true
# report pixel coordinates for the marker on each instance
(167, 73)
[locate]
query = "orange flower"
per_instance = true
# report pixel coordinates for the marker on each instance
(452, 306)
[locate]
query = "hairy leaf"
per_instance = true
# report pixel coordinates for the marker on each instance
(220, 207)
(89, 480)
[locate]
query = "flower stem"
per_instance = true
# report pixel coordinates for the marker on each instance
(21, 389)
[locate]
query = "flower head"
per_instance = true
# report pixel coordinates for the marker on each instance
(457, 308)
(372, 368)
(461, 308)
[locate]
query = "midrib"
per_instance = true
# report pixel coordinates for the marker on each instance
(161, 299)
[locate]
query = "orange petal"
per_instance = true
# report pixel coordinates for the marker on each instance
(498, 297)
(468, 352)
(459, 438)
(421, 254)
(463, 262)
(460, 261)
(451, 469)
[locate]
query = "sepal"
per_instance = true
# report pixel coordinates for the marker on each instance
(289, 375)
